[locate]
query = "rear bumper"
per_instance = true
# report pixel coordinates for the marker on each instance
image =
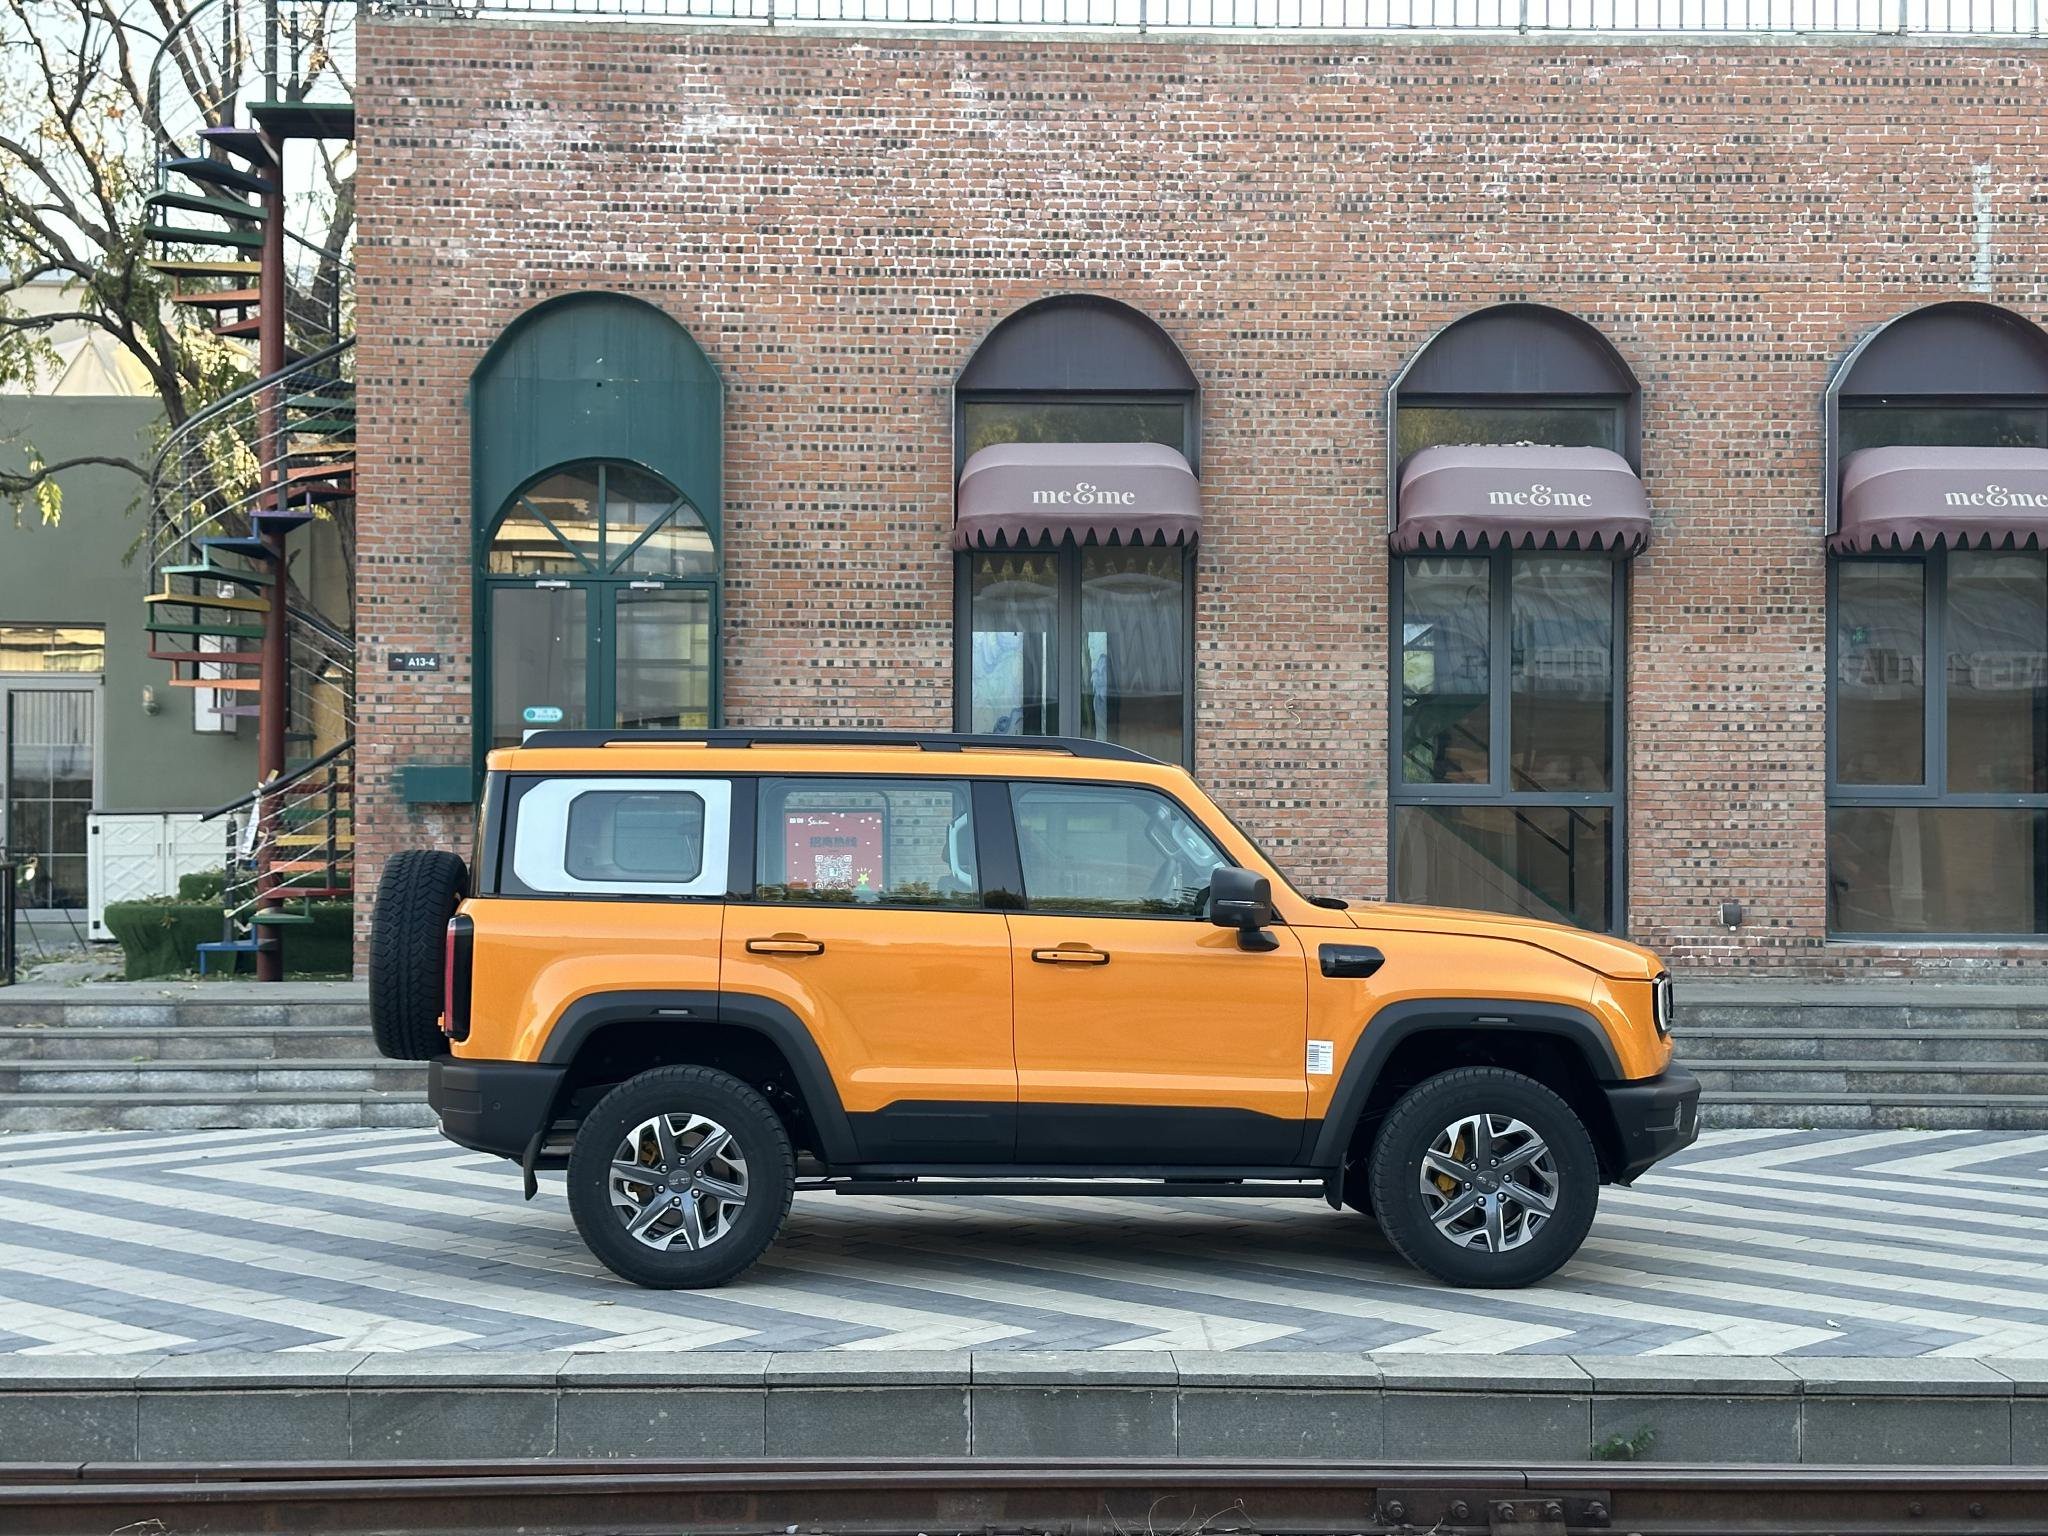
(1655, 1116)
(492, 1106)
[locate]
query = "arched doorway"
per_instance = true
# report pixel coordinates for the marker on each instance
(596, 477)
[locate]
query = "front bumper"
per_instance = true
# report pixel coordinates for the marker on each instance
(493, 1106)
(1654, 1117)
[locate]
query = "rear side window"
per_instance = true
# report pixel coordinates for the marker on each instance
(885, 842)
(642, 834)
(623, 837)
(1105, 848)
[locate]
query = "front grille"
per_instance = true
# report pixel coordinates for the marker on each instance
(1660, 1003)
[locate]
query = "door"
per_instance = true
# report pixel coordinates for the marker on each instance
(867, 923)
(51, 763)
(1145, 1034)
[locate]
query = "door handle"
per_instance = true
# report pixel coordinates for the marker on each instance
(786, 944)
(1074, 954)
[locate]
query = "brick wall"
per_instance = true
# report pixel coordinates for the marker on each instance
(838, 219)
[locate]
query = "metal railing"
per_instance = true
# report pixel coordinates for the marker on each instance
(221, 463)
(1927, 18)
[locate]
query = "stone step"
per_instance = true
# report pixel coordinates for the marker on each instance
(1933, 1080)
(184, 1042)
(223, 1078)
(1696, 1044)
(206, 1112)
(1875, 1111)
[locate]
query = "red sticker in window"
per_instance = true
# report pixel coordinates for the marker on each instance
(834, 850)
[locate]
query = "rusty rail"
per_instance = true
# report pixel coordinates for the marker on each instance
(881, 1498)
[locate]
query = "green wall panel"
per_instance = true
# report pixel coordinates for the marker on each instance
(595, 376)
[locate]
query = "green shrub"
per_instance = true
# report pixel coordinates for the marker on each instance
(204, 886)
(162, 938)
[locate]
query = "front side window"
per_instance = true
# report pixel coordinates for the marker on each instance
(884, 842)
(1938, 794)
(1507, 792)
(1105, 849)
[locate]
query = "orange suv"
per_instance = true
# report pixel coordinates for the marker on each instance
(703, 970)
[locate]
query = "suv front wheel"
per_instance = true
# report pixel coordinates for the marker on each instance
(1484, 1178)
(680, 1178)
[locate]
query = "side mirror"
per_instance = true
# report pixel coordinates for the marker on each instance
(1242, 900)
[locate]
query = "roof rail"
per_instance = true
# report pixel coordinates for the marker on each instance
(924, 741)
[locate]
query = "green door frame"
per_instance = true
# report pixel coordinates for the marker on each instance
(600, 609)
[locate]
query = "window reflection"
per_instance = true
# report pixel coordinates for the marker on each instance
(1071, 419)
(1997, 672)
(1592, 425)
(1880, 672)
(1446, 672)
(1551, 862)
(1015, 603)
(1134, 642)
(1561, 700)
(1937, 869)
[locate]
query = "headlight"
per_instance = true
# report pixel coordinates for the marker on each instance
(1660, 1004)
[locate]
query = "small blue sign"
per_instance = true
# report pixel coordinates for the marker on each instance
(542, 714)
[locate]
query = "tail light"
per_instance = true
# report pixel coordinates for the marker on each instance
(455, 976)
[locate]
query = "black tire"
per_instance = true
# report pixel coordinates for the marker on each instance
(418, 893)
(1405, 1215)
(757, 1135)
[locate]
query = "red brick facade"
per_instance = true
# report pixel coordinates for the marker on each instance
(838, 219)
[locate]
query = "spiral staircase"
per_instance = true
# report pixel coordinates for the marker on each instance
(245, 490)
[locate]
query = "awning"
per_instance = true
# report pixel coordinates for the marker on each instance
(1015, 494)
(1918, 498)
(1521, 496)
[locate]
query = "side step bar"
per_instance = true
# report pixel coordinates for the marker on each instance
(1204, 1189)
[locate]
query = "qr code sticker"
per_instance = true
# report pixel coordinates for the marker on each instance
(835, 869)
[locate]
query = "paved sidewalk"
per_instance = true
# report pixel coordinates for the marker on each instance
(1752, 1243)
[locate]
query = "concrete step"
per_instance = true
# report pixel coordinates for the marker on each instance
(223, 1078)
(205, 1112)
(184, 1042)
(1932, 1080)
(1970, 1045)
(1875, 1111)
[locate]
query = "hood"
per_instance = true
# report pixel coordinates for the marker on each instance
(1595, 951)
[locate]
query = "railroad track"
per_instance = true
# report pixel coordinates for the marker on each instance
(1014, 1498)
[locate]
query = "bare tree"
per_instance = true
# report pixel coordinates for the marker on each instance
(93, 93)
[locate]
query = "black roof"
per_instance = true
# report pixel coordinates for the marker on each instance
(925, 741)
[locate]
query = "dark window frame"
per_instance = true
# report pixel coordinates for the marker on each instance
(1500, 701)
(1932, 792)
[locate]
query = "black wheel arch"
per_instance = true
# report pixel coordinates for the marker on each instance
(1468, 1031)
(587, 1024)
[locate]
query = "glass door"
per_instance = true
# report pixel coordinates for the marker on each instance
(50, 759)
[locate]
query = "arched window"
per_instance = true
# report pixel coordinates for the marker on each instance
(1514, 443)
(1937, 498)
(597, 479)
(1076, 430)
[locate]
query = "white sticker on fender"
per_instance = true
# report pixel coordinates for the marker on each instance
(1321, 1058)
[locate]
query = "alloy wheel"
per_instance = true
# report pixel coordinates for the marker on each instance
(1489, 1182)
(678, 1177)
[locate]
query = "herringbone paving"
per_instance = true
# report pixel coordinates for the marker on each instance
(1751, 1243)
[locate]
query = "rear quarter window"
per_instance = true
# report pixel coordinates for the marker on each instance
(621, 837)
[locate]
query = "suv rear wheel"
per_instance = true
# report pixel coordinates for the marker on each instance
(680, 1178)
(1484, 1178)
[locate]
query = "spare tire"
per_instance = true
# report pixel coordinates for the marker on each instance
(408, 937)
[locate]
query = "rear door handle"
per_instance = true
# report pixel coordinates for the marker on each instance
(1076, 954)
(786, 944)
